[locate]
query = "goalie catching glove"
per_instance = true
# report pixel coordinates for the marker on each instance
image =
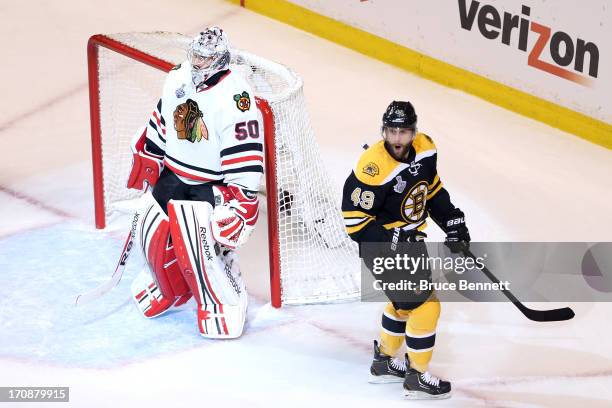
(233, 221)
(146, 167)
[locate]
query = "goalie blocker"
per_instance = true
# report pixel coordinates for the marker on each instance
(146, 166)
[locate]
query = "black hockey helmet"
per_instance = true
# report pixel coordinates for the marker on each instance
(400, 114)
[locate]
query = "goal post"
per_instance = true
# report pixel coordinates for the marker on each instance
(312, 259)
(93, 45)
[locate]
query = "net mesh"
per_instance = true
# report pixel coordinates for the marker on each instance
(318, 261)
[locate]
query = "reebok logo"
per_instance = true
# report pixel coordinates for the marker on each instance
(228, 273)
(130, 243)
(205, 245)
(564, 51)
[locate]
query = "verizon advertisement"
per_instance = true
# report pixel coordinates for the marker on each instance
(559, 51)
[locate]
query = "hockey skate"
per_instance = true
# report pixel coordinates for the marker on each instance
(419, 385)
(385, 369)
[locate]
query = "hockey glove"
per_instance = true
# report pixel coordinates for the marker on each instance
(146, 167)
(233, 221)
(457, 234)
(400, 235)
(413, 236)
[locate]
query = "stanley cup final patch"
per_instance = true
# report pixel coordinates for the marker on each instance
(243, 101)
(180, 92)
(400, 186)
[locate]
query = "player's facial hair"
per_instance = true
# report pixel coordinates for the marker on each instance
(403, 153)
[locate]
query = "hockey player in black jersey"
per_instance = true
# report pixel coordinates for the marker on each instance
(387, 199)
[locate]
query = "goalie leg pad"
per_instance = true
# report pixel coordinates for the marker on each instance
(214, 278)
(166, 286)
(222, 321)
(149, 299)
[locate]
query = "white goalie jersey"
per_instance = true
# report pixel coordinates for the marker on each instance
(208, 134)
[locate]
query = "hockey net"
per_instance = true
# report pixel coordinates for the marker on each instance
(312, 260)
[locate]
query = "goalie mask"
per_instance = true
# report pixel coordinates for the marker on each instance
(208, 54)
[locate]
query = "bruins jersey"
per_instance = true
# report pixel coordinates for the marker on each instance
(382, 193)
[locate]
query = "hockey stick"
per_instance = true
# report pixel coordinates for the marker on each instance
(552, 315)
(116, 277)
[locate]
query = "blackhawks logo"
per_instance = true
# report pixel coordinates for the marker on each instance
(188, 122)
(243, 101)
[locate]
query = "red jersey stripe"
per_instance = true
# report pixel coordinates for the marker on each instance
(241, 159)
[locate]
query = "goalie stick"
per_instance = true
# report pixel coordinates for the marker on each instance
(551, 315)
(116, 277)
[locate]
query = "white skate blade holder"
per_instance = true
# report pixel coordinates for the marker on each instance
(385, 379)
(420, 395)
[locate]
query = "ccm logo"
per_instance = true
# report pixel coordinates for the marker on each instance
(563, 49)
(456, 221)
